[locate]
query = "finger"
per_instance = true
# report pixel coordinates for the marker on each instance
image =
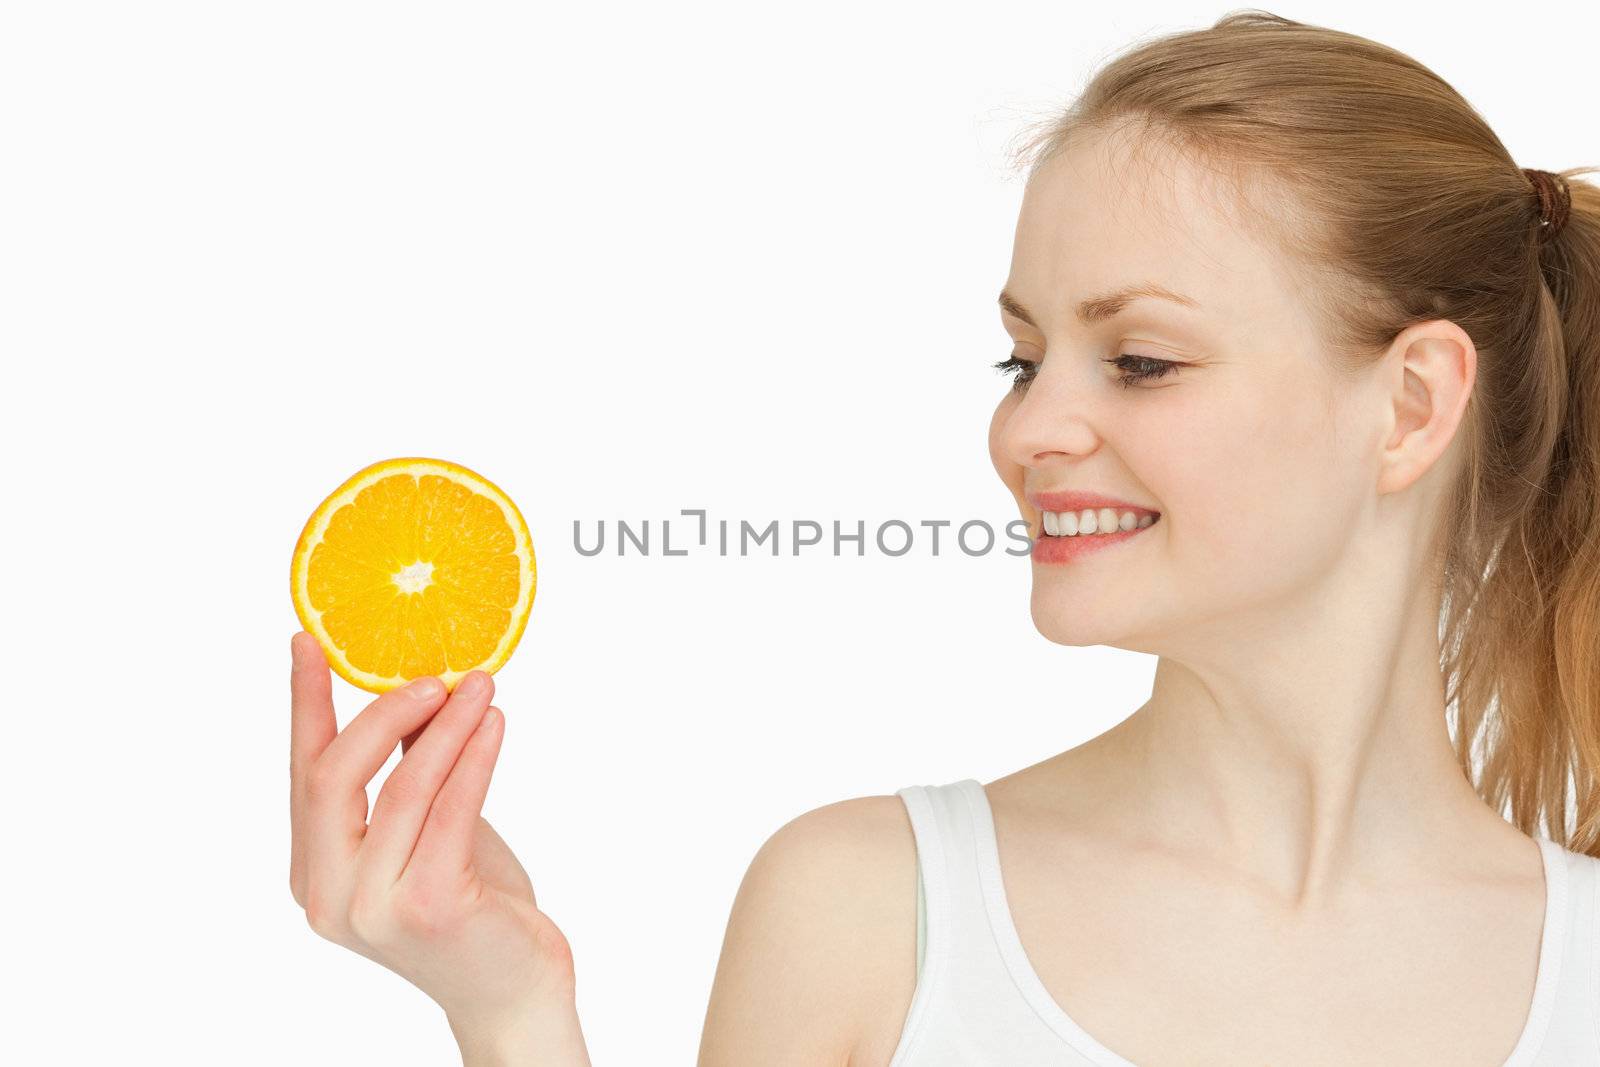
(312, 723)
(445, 844)
(336, 798)
(311, 727)
(404, 800)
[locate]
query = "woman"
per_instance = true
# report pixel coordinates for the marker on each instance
(1287, 314)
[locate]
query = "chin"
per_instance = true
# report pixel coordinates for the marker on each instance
(1117, 619)
(1057, 621)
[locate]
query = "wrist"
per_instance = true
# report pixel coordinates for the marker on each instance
(537, 1037)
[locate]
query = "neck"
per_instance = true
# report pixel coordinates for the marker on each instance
(1306, 743)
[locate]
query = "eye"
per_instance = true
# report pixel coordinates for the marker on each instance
(1021, 370)
(1136, 369)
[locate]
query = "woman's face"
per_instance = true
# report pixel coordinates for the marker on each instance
(1252, 453)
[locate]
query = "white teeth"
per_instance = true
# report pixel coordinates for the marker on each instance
(1091, 521)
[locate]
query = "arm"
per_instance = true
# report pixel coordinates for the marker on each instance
(820, 943)
(545, 1039)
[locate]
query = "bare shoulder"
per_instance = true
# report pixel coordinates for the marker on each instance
(819, 959)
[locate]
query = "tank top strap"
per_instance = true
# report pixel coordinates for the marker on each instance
(955, 865)
(1571, 1024)
(930, 811)
(952, 918)
(967, 1005)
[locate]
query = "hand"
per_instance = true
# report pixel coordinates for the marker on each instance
(428, 890)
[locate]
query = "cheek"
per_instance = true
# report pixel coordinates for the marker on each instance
(1256, 487)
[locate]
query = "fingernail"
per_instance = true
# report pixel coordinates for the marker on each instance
(425, 688)
(471, 684)
(294, 649)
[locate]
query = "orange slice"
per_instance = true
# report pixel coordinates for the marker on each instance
(414, 567)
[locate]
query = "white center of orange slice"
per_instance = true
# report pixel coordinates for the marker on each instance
(415, 578)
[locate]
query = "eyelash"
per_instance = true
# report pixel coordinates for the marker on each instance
(1147, 368)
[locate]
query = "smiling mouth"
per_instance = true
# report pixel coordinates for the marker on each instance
(1093, 522)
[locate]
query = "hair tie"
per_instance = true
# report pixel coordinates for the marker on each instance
(1555, 201)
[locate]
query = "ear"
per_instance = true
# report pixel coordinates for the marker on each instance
(1435, 364)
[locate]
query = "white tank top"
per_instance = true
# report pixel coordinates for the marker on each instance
(979, 1002)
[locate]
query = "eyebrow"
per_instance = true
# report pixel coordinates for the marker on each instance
(1106, 306)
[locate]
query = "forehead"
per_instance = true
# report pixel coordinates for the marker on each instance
(1113, 210)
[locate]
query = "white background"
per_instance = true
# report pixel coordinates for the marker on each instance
(621, 259)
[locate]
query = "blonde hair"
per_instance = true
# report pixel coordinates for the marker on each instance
(1390, 191)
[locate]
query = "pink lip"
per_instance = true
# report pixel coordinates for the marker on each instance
(1073, 500)
(1047, 549)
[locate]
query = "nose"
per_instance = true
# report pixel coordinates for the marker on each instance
(1053, 416)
